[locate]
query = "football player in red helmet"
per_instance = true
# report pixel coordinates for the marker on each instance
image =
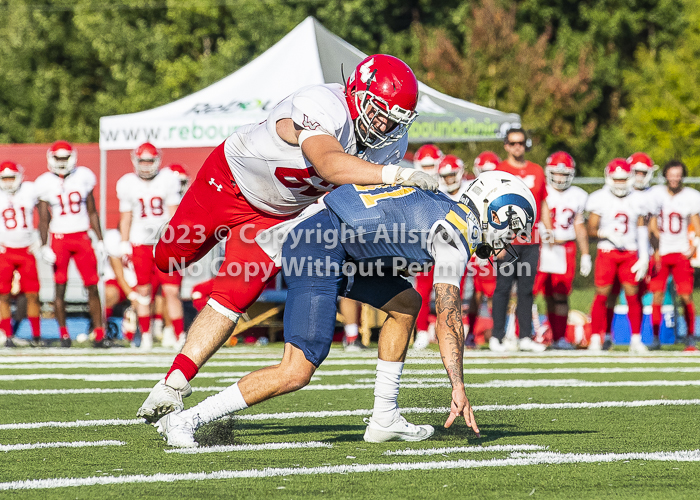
(382, 94)
(485, 162)
(317, 138)
(451, 172)
(61, 158)
(643, 168)
(427, 158)
(617, 220)
(181, 172)
(146, 160)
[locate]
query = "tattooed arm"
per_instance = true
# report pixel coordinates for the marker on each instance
(450, 334)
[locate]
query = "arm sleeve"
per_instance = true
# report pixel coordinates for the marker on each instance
(125, 202)
(450, 256)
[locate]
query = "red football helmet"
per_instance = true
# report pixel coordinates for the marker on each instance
(643, 168)
(451, 170)
(181, 173)
(560, 164)
(61, 158)
(427, 158)
(146, 159)
(382, 91)
(485, 162)
(11, 175)
(618, 177)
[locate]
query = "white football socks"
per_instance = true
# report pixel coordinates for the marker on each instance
(229, 400)
(386, 391)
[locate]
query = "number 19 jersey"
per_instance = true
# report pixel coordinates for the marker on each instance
(67, 197)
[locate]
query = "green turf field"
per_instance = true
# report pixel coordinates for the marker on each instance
(555, 425)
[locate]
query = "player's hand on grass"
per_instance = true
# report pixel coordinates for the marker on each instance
(461, 407)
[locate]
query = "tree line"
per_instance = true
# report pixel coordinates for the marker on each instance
(597, 78)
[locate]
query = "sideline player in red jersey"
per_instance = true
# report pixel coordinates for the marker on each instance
(674, 206)
(67, 210)
(566, 204)
(617, 220)
(17, 246)
(265, 173)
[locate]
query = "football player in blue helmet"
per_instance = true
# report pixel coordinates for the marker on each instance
(359, 246)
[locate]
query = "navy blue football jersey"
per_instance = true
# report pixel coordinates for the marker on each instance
(379, 223)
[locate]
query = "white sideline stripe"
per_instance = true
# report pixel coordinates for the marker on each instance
(71, 444)
(359, 413)
(253, 447)
(165, 362)
(77, 423)
(419, 384)
(466, 449)
(230, 377)
(517, 459)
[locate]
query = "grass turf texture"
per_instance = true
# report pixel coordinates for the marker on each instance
(585, 431)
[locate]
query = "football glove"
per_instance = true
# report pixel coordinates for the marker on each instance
(586, 265)
(612, 236)
(47, 254)
(640, 268)
(393, 174)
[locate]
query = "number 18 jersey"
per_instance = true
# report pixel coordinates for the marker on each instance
(67, 197)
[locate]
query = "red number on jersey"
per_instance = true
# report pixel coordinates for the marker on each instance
(623, 219)
(295, 178)
(9, 216)
(672, 228)
(156, 206)
(568, 219)
(74, 202)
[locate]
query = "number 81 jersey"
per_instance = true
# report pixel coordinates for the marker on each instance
(148, 202)
(17, 212)
(67, 198)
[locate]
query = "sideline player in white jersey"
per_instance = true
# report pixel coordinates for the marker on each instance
(673, 207)
(318, 137)
(147, 199)
(566, 205)
(617, 220)
(17, 246)
(67, 210)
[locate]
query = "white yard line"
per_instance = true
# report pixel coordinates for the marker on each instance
(417, 384)
(363, 412)
(71, 444)
(518, 459)
(255, 447)
(465, 449)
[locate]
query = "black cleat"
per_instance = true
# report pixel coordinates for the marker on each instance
(66, 342)
(106, 343)
(38, 342)
(9, 342)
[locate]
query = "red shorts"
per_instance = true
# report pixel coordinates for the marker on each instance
(23, 261)
(484, 278)
(611, 264)
(212, 209)
(677, 265)
(146, 271)
(115, 284)
(79, 247)
(548, 284)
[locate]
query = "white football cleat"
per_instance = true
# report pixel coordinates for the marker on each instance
(636, 345)
(595, 344)
(177, 430)
(399, 430)
(496, 346)
(422, 340)
(527, 344)
(169, 339)
(146, 342)
(165, 397)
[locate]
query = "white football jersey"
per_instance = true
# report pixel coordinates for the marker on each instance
(112, 241)
(67, 198)
(148, 202)
(273, 175)
(565, 207)
(619, 214)
(17, 212)
(673, 214)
